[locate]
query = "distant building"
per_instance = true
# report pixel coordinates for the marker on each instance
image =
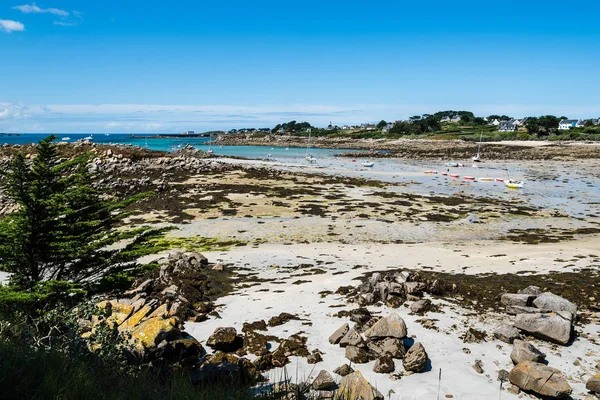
(387, 128)
(494, 122)
(454, 118)
(507, 126)
(566, 124)
(190, 132)
(368, 127)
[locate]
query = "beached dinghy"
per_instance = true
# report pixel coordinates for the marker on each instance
(499, 180)
(485, 179)
(469, 178)
(454, 175)
(451, 164)
(368, 164)
(512, 184)
(430, 171)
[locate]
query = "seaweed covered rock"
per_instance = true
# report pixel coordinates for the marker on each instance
(225, 339)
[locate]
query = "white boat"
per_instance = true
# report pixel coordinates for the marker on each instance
(477, 158)
(88, 138)
(309, 157)
(210, 150)
(65, 139)
(451, 164)
(368, 164)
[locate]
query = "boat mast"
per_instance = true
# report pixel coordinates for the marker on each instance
(479, 145)
(308, 142)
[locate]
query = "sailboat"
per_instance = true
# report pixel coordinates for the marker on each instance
(477, 158)
(309, 157)
(210, 150)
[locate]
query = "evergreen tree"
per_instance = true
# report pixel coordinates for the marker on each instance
(62, 227)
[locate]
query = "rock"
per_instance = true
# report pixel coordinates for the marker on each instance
(392, 347)
(375, 279)
(503, 375)
(339, 334)
(541, 379)
(223, 373)
(514, 310)
(513, 389)
(352, 338)
(324, 381)
(551, 302)
(415, 288)
(183, 348)
(355, 386)
(421, 306)
(506, 333)
(554, 327)
(357, 355)
(295, 345)
(254, 326)
(343, 370)
(391, 326)
(218, 267)
(135, 319)
(265, 362)
(403, 276)
(534, 290)
(513, 299)
(593, 384)
(225, 339)
(415, 359)
(478, 366)
(523, 351)
(314, 357)
(394, 301)
(150, 332)
(384, 365)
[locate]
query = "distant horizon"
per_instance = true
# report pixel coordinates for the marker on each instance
(113, 66)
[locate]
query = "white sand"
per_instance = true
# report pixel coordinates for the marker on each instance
(445, 349)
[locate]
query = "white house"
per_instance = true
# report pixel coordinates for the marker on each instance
(387, 128)
(495, 122)
(507, 126)
(566, 124)
(456, 118)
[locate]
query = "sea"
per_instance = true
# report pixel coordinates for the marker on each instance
(155, 142)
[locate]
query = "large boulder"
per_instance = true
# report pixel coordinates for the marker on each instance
(593, 385)
(343, 370)
(534, 290)
(514, 299)
(391, 326)
(339, 334)
(357, 355)
(355, 386)
(225, 339)
(352, 338)
(550, 302)
(415, 359)
(506, 333)
(149, 333)
(514, 310)
(392, 347)
(324, 381)
(523, 351)
(554, 327)
(540, 379)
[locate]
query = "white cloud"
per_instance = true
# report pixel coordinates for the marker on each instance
(33, 9)
(12, 111)
(65, 23)
(9, 26)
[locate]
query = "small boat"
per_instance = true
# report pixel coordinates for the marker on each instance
(451, 164)
(269, 155)
(88, 138)
(368, 164)
(486, 179)
(499, 179)
(513, 184)
(311, 159)
(477, 158)
(444, 173)
(454, 175)
(65, 139)
(469, 178)
(430, 171)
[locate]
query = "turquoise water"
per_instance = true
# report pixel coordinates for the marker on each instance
(170, 144)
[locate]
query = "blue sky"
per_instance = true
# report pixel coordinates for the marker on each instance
(133, 66)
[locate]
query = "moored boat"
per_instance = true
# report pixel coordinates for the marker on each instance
(430, 171)
(469, 178)
(513, 184)
(485, 179)
(499, 179)
(454, 175)
(451, 164)
(368, 164)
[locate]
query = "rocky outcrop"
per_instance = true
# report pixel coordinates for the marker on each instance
(343, 370)
(420, 306)
(357, 355)
(554, 327)
(355, 386)
(523, 351)
(515, 299)
(352, 338)
(392, 347)
(540, 379)
(415, 359)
